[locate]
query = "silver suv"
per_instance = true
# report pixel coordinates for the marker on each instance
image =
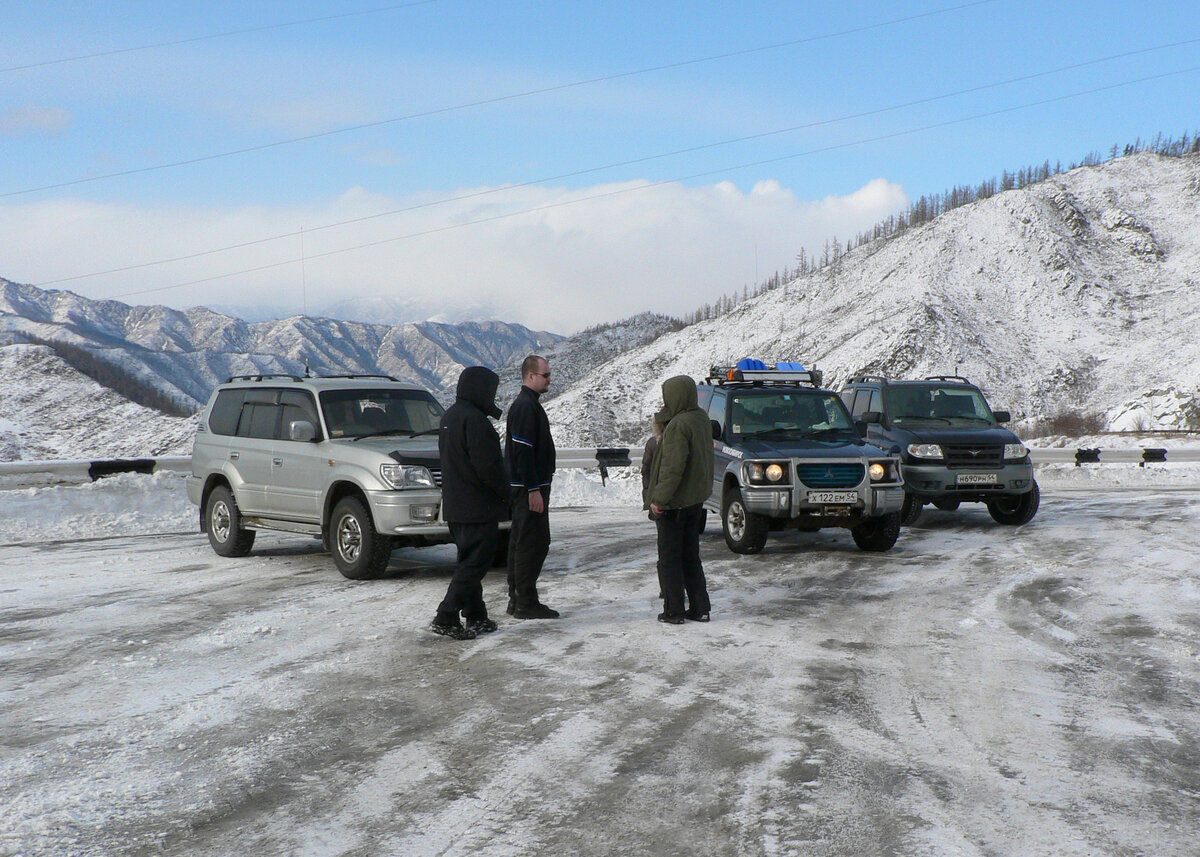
(352, 460)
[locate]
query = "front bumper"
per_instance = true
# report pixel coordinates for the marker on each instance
(936, 481)
(412, 514)
(798, 501)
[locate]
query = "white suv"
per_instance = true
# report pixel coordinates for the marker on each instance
(352, 460)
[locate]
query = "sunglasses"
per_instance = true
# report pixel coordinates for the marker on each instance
(543, 374)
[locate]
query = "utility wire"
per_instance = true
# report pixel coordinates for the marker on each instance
(193, 39)
(664, 182)
(496, 100)
(631, 162)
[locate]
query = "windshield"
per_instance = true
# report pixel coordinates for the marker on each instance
(937, 404)
(371, 413)
(789, 414)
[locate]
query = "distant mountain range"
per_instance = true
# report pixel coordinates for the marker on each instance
(1077, 296)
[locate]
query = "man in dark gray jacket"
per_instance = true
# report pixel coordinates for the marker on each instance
(474, 500)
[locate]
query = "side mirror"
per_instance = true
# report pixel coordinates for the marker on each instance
(1002, 416)
(716, 429)
(302, 430)
(872, 417)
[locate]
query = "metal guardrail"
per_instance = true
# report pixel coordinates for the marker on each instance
(92, 469)
(601, 458)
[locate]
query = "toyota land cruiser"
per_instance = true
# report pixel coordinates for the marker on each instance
(352, 460)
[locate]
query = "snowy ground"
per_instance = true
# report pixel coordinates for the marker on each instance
(979, 690)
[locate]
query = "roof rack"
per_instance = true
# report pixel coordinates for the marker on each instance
(755, 373)
(384, 377)
(266, 376)
(957, 378)
(862, 379)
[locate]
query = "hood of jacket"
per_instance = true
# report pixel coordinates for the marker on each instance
(477, 385)
(679, 395)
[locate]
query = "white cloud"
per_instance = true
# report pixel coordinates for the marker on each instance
(552, 258)
(33, 120)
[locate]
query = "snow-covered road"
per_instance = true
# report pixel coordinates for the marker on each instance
(979, 690)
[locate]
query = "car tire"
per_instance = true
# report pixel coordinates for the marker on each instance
(745, 532)
(877, 534)
(947, 505)
(910, 512)
(223, 521)
(359, 551)
(1015, 509)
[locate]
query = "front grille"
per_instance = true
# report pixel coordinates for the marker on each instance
(830, 475)
(973, 454)
(437, 476)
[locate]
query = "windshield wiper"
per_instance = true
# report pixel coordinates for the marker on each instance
(433, 430)
(918, 418)
(381, 433)
(834, 430)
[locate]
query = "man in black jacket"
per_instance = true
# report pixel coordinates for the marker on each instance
(529, 452)
(474, 500)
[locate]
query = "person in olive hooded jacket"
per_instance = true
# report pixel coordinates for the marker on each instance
(681, 478)
(474, 500)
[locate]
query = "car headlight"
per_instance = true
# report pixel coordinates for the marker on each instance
(925, 450)
(1015, 450)
(884, 471)
(407, 476)
(761, 473)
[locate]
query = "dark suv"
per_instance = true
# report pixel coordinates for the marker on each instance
(789, 456)
(953, 446)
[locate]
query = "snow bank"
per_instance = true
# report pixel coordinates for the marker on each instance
(139, 504)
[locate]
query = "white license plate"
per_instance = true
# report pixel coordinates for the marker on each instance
(977, 479)
(837, 498)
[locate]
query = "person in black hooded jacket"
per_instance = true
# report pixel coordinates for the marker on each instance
(475, 496)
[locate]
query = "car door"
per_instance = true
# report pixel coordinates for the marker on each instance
(721, 457)
(251, 450)
(299, 469)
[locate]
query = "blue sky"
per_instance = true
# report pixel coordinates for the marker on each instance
(610, 215)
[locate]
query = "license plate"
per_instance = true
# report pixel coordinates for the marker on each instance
(977, 479)
(833, 497)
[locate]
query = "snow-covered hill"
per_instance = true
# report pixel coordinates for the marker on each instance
(53, 412)
(1079, 294)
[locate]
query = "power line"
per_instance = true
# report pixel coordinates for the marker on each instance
(496, 100)
(210, 36)
(663, 183)
(626, 163)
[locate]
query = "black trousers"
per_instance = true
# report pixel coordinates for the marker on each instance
(477, 544)
(528, 544)
(680, 571)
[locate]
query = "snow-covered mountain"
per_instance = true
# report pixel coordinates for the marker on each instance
(186, 353)
(1079, 294)
(53, 412)
(385, 310)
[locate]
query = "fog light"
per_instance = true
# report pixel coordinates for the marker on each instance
(423, 512)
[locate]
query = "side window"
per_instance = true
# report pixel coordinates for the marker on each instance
(862, 402)
(703, 396)
(296, 406)
(876, 401)
(260, 414)
(223, 419)
(848, 398)
(716, 408)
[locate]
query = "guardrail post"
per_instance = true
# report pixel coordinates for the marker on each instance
(1087, 456)
(1152, 455)
(611, 457)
